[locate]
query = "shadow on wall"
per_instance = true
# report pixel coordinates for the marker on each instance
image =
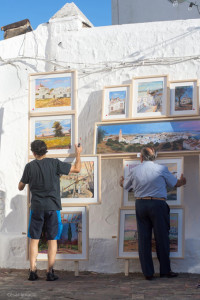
(16, 220)
(90, 114)
(2, 207)
(1, 123)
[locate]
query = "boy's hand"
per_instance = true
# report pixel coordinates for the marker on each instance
(78, 149)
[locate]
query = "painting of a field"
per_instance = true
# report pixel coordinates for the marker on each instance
(52, 92)
(55, 133)
(79, 185)
(170, 136)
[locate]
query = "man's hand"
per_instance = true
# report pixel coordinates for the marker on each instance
(121, 181)
(181, 181)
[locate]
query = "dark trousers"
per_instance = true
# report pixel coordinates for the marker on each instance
(153, 214)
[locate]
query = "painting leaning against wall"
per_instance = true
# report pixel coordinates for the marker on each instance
(128, 235)
(164, 136)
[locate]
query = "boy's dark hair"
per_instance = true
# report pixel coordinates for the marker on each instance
(39, 147)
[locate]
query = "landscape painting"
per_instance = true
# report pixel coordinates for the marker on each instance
(149, 96)
(128, 234)
(73, 241)
(116, 102)
(51, 92)
(183, 98)
(83, 187)
(56, 131)
(164, 136)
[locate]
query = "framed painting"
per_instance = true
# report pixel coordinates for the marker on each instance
(174, 195)
(73, 244)
(184, 98)
(150, 96)
(84, 187)
(116, 102)
(129, 137)
(52, 92)
(128, 234)
(58, 132)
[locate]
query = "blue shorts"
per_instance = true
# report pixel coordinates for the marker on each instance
(48, 219)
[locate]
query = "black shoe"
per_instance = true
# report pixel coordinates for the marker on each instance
(150, 277)
(32, 275)
(169, 275)
(51, 276)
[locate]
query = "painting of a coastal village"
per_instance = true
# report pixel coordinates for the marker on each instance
(71, 237)
(55, 132)
(115, 102)
(164, 136)
(129, 234)
(75, 187)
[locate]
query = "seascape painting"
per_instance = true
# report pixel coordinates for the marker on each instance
(129, 234)
(115, 102)
(164, 136)
(82, 187)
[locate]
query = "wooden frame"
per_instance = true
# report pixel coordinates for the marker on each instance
(44, 128)
(176, 225)
(52, 92)
(170, 135)
(83, 210)
(116, 99)
(187, 92)
(89, 188)
(150, 97)
(175, 166)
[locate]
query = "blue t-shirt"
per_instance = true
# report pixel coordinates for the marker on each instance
(150, 179)
(43, 177)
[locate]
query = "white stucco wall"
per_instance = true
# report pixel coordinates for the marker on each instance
(86, 50)
(134, 11)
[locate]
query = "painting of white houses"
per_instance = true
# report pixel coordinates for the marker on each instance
(115, 102)
(52, 92)
(149, 97)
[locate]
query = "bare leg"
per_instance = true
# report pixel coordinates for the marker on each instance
(52, 249)
(33, 252)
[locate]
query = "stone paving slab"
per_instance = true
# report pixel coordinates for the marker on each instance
(92, 286)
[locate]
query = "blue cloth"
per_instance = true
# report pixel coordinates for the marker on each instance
(150, 179)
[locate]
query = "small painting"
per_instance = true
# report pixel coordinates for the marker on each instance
(73, 241)
(51, 92)
(83, 187)
(116, 102)
(183, 98)
(56, 131)
(149, 96)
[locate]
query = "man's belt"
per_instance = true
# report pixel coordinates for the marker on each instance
(150, 198)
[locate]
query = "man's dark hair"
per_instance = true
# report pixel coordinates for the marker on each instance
(148, 153)
(39, 147)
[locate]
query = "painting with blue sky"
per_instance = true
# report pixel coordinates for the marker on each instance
(163, 135)
(183, 98)
(53, 83)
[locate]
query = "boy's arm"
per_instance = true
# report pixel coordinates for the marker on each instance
(77, 166)
(21, 186)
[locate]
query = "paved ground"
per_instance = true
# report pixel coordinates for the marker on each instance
(92, 286)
